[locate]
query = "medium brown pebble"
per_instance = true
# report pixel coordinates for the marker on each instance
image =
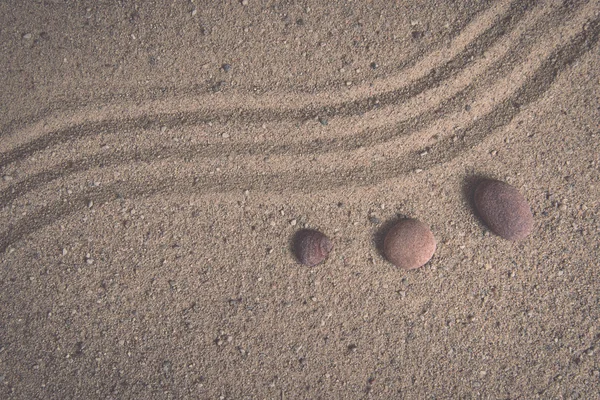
(504, 210)
(409, 244)
(311, 247)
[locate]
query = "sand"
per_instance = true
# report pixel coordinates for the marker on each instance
(149, 195)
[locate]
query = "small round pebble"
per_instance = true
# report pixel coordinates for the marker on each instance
(504, 210)
(409, 244)
(311, 247)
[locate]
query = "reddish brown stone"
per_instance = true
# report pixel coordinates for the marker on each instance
(311, 247)
(504, 210)
(409, 244)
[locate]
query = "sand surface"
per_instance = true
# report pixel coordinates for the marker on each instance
(157, 158)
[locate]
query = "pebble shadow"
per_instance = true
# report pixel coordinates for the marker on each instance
(468, 190)
(382, 231)
(295, 241)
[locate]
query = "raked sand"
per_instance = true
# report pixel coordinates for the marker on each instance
(157, 159)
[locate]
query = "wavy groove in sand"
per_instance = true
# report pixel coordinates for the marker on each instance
(369, 142)
(444, 150)
(367, 138)
(307, 110)
(192, 101)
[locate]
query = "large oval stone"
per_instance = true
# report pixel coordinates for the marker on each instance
(504, 210)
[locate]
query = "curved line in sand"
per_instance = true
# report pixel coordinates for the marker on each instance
(411, 69)
(191, 113)
(373, 139)
(477, 132)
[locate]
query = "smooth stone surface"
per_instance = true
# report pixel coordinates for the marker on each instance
(311, 247)
(504, 210)
(409, 244)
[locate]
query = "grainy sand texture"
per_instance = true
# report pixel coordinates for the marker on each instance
(157, 158)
